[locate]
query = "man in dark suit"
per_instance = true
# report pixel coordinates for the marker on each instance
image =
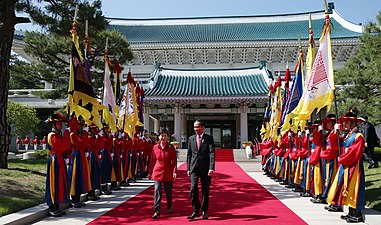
(200, 165)
(371, 141)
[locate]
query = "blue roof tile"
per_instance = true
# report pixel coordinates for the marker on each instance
(209, 83)
(264, 31)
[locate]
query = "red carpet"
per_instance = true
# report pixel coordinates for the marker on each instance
(235, 199)
(224, 155)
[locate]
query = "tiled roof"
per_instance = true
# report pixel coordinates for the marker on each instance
(206, 83)
(230, 29)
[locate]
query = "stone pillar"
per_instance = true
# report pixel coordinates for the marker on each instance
(156, 125)
(184, 129)
(147, 119)
(237, 129)
(177, 123)
(244, 123)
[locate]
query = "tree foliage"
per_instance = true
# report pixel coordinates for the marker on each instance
(22, 119)
(361, 76)
(53, 48)
(20, 81)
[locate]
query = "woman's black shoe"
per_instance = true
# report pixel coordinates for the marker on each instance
(334, 209)
(354, 219)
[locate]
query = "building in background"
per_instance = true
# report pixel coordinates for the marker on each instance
(214, 68)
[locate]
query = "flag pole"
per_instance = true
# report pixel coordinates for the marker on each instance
(125, 107)
(70, 92)
(337, 119)
(334, 90)
(103, 89)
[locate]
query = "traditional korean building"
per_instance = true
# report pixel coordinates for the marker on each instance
(218, 68)
(214, 68)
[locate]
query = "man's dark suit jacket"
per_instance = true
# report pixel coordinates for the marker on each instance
(370, 134)
(203, 158)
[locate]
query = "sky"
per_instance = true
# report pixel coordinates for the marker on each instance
(355, 11)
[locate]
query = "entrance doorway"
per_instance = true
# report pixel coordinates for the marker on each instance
(222, 132)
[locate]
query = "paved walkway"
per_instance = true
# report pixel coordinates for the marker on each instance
(309, 212)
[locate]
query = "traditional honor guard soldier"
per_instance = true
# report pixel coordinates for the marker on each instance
(43, 142)
(94, 153)
(118, 144)
(293, 162)
(25, 142)
(18, 143)
(106, 161)
(329, 155)
(305, 174)
(348, 187)
(125, 158)
(57, 190)
(35, 143)
(78, 174)
(316, 163)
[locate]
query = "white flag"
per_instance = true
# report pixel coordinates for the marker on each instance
(109, 100)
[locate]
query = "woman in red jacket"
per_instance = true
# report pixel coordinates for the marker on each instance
(163, 169)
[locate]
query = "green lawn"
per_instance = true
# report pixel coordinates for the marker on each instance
(373, 187)
(373, 184)
(22, 185)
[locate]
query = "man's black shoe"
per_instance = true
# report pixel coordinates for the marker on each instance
(354, 219)
(94, 198)
(318, 200)
(345, 217)
(297, 189)
(205, 216)
(194, 215)
(306, 194)
(55, 213)
(334, 209)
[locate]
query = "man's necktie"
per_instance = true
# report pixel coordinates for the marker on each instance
(198, 142)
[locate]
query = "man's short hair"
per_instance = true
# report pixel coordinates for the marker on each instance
(201, 122)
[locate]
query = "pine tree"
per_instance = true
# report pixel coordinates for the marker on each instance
(359, 81)
(8, 20)
(53, 48)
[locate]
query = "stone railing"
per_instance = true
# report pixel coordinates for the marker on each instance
(26, 92)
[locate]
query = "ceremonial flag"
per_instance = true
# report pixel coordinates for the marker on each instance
(286, 94)
(108, 98)
(117, 90)
(295, 95)
(276, 110)
(310, 52)
(319, 91)
(140, 100)
(268, 108)
(81, 98)
(128, 113)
